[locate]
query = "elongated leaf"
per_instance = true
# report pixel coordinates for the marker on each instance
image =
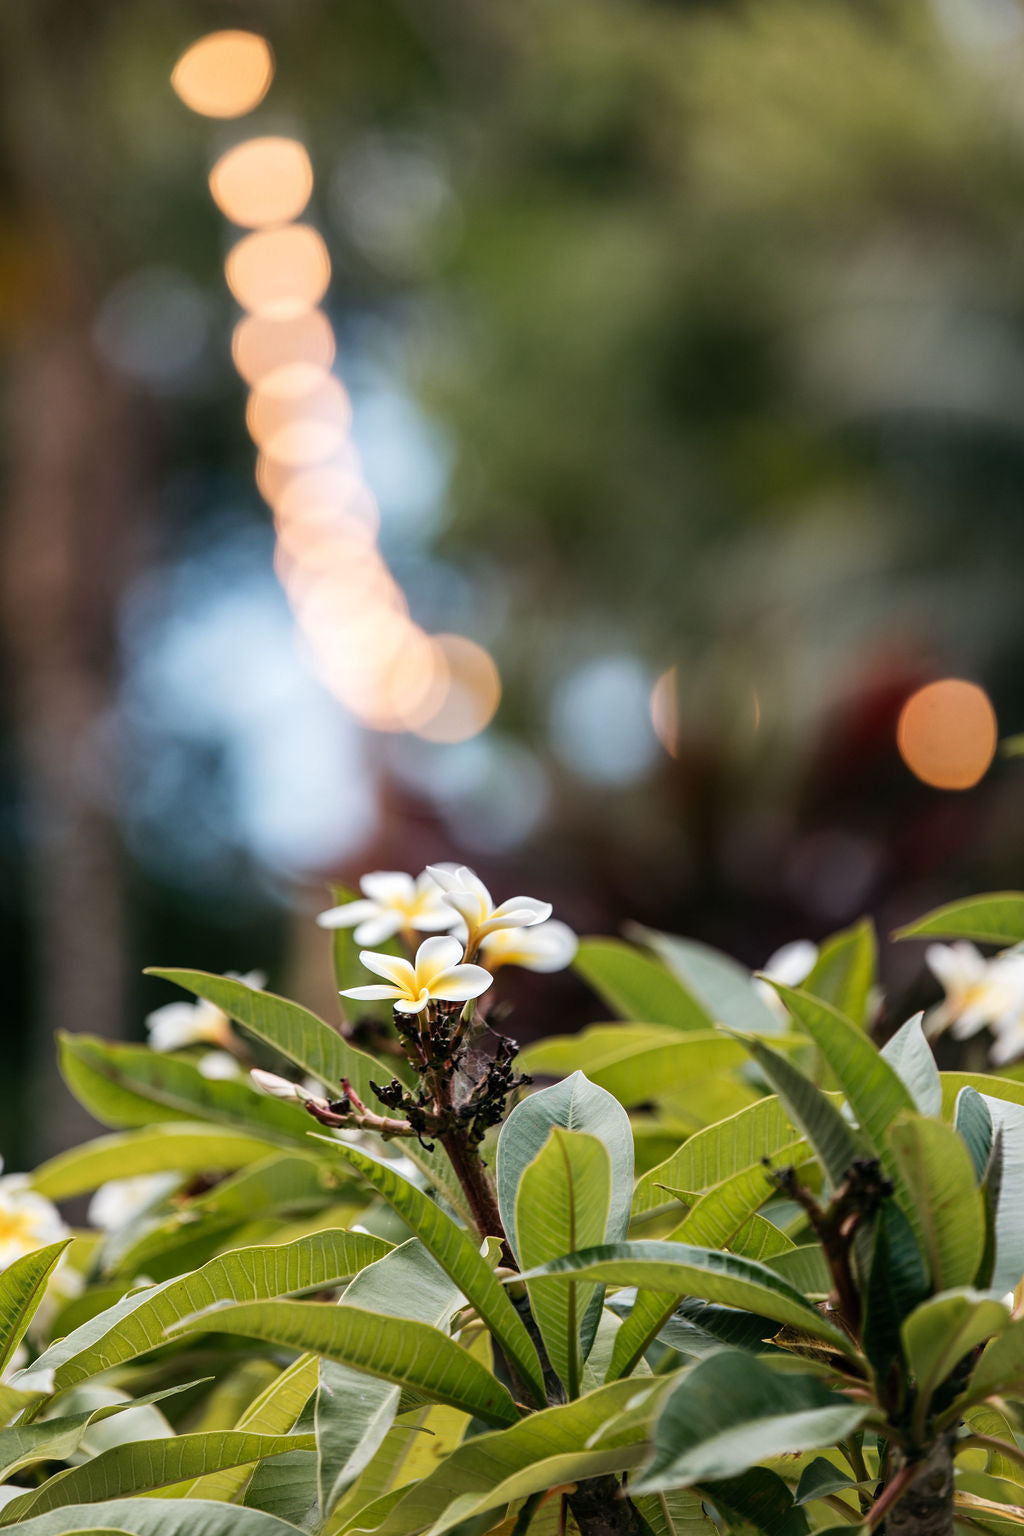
(586, 1050)
(354, 1412)
(731, 1411)
(665, 1066)
(836, 1144)
(562, 1204)
(636, 986)
(974, 1126)
(758, 1498)
(995, 919)
(942, 1331)
(713, 1222)
(1004, 1088)
(676, 1512)
(275, 1411)
(301, 1036)
(146, 1464)
(57, 1439)
(897, 1283)
(910, 1056)
(701, 1328)
(575, 1105)
(130, 1085)
(459, 1257)
(484, 1462)
(180, 1147)
(714, 1154)
(156, 1517)
(872, 1087)
(822, 1477)
(682, 1270)
(22, 1287)
(411, 1354)
(844, 971)
(1008, 1126)
(722, 986)
(1001, 1367)
(937, 1169)
(138, 1323)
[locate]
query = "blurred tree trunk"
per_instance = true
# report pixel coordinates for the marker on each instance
(62, 562)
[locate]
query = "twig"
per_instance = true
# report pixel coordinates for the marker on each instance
(892, 1493)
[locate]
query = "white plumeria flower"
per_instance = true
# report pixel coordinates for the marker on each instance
(177, 1025)
(393, 902)
(436, 973)
(791, 964)
(27, 1220)
(120, 1201)
(549, 946)
(979, 992)
(467, 896)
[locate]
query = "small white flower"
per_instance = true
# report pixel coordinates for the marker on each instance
(548, 946)
(120, 1201)
(467, 896)
(791, 964)
(435, 973)
(279, 1087)
(27, 1220)
(177, 1025)
(393, 902)
(979, 992)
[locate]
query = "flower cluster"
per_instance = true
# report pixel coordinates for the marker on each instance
(452, 904)
(980, 993)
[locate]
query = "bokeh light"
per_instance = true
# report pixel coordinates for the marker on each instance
(275, 353)
(224, 74)
(947, 734)
(262, 181)
(472, 694)
(300, 429)
(279, 273)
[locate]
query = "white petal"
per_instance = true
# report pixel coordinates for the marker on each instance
(435, 919)
(792, 963)
(460, 983)
(385, 886)
(392, 967)
(444, 875)
(375, 993)
(348, 914)
(381, 926)
(469, 907)
(434, 956)
(413, 1004)
(271, 1083)
(524, 910)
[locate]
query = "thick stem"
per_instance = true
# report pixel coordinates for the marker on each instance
(918, 1499)
(600, 1509)
(476, 1185)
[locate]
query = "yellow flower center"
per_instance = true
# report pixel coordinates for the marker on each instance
(17, 1227)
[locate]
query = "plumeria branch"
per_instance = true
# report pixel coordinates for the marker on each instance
(350, 1113)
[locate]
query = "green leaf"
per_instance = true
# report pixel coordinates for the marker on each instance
(758, 1498)
(713, 1222)
(844, 971)
(822, 1477)
(816, 1115)
(936, 1168)
(22, 1287)
(701, 1328)
(304, 1038)
(130, 1085)
(561, 1055)
(138, 1323)
(941, 1331)
(538, 1446)
(1001, 1367)
(897, 1283)
(974, 1126)
(686, 1271)
(1008, 1125)
(676, 1512)
(995, 919)
(562, 1204)
(714, 1154)
(411, 1354)
(183, 1148)
(910, 1056)
(354, 1412)
(731, 1411)
(1003, 1088)
(275, 1411)
(459, 1257)
(636, 986)
(145, 1464)
(156, 1517)
(664, 1066)
(575, 1105)
(722, 986)
(58, 1439)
